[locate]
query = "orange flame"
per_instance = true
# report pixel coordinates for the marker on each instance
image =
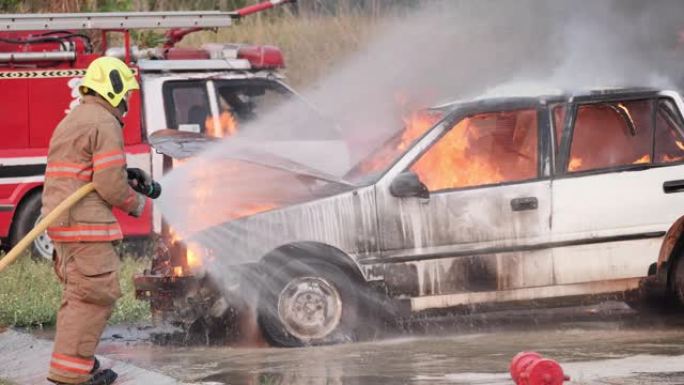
(680, 145)
(644, 159)
(221, 126)
(575, 164)
(193, 256)
(415, 125)
(481, 150)
(251, 209)
(178, 271)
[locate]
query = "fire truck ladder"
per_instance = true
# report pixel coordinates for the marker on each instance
(115, 20)
(129, 20)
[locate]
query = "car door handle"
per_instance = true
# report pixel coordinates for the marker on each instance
(523, 204)
(673, 186)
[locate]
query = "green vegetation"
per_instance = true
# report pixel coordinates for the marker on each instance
(5, 382)
(30, 294)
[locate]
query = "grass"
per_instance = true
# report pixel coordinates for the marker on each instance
(312, 45)
(30, 294)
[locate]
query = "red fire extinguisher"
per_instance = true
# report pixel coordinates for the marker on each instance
(530, 368)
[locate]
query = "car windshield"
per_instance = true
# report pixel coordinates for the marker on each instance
(379, 161)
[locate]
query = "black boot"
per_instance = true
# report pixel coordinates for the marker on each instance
(104, 377)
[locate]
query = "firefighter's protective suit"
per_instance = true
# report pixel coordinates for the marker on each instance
(86, 146)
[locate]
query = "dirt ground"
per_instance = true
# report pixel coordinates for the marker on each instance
(604, 344)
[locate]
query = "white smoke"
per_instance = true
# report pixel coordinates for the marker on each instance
(461, 49)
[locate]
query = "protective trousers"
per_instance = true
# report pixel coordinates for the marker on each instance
(89, 275)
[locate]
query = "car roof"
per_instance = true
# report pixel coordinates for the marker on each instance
(518, 101)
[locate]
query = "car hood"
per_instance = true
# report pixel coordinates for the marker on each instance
(231, 180)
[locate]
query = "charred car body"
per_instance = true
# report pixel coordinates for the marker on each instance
(503, 200)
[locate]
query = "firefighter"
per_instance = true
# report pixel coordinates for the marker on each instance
(86, 146)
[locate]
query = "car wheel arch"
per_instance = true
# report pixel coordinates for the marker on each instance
(671, 248)
(313, 252)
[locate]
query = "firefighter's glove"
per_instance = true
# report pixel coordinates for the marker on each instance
(141, 182)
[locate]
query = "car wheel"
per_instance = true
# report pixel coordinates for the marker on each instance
(678, 281)
(304, 304)
(26, 218)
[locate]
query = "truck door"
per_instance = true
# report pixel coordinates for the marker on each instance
(611, 202)
(489, 208)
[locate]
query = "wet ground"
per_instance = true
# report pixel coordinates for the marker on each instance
(606, 344)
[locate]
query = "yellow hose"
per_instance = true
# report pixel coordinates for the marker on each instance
(44, 223)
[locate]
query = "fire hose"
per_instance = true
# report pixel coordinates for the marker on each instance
(44, 223)
(137, 179)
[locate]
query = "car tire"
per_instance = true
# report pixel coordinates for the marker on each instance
(26, 217)
(678, 282)
(304, 304)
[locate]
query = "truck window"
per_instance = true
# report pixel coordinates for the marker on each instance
(187, 105)
(669, 144)
(609, 135)
(241, 102)
(263, 109)
(484, 149)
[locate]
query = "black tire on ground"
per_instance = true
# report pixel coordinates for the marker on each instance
(652, 306)
(304, 304)
(24, 219)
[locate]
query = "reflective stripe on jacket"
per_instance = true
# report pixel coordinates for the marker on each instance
(87, 146)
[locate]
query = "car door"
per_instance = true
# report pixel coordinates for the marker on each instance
(489, 206)
(611, 200)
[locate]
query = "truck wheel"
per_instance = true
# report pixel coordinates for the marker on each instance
(27, 216)
(308, 304)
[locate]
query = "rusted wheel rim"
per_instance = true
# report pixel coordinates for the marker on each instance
(43, 244)
(310, 308)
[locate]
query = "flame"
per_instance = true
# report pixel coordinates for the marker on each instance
(251, 209)
(575, 164)
(644, 159)
(173, 236)
(193, 256)
(480, 150)
(221, 126)
(178, 271)
(679, 144)
(415, 125)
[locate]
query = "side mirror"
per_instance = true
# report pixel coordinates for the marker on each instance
(407, 184)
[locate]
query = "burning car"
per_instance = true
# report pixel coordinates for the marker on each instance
(494, 201)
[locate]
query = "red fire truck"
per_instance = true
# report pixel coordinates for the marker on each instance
(44, 56)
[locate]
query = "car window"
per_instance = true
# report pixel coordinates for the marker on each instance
(669, 144)
(187, 105)
(483, 149)
(608, 135)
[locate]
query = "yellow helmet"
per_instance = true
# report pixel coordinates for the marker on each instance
(110, 78)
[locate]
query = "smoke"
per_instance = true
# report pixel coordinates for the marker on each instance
(443, 51)
(466, 49)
